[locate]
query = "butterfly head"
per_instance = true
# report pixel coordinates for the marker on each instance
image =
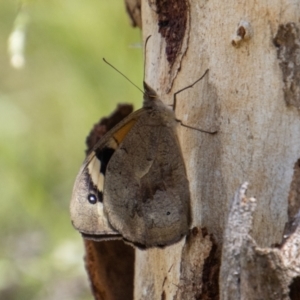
(150, 96)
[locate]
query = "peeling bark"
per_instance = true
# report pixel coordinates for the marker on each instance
(133, 8)
(251, 272)
(287, 41)
(195, 252)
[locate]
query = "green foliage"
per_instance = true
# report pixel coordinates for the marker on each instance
(46, 110)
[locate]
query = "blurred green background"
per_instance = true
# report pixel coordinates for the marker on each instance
(47, 108)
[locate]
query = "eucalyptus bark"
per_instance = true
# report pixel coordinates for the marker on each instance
(251, 98)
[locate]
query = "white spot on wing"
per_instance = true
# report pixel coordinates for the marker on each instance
(97, 178)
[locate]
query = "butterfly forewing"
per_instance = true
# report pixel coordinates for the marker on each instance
(86, 206)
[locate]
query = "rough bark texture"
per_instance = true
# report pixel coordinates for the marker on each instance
(251, 272)
(250, 96)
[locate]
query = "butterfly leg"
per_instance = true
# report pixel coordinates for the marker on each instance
(175, 99)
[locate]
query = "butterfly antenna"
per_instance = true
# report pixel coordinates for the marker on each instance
(147, 39)
(122, 74)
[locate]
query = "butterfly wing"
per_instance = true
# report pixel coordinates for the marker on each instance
(146, 195)
(86, 207)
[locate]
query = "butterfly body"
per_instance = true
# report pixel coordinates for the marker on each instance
(133, 184)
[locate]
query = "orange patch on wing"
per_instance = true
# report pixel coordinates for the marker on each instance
(123, 131)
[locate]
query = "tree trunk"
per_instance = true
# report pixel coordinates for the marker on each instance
(251, 98)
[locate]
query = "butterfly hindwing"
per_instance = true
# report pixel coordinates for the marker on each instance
(146, 190)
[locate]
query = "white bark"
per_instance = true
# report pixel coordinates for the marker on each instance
(258, 138)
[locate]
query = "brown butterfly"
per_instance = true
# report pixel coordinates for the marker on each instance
(133, 184)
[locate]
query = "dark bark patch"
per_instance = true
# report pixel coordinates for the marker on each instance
(197, 268)
(110, 266)
(241, 31)
(293, 204)
(204, 231)
(294, 194)
(194, 231)
(211, 270)
(287, 42)
(295, 289)
(172, 24)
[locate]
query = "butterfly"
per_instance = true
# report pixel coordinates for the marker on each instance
(133, 184)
